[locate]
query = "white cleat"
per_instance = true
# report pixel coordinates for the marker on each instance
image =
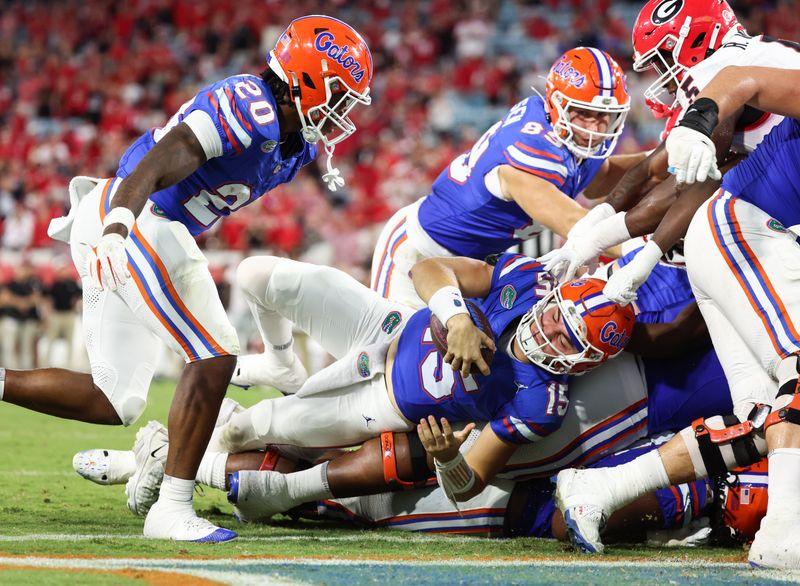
(580, 497)
(266, 370)
(183, 525)
(150, 448)
(776, 545)
(258, 495)
(105, 466)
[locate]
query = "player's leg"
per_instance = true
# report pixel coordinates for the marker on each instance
(333, 308)
(345, 415)
(172, 293)
(393, 461)
(394, 255)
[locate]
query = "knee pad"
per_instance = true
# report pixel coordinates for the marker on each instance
(420, 474)
(129, 397)
(721, 443)
(785, 408)
(253, 274)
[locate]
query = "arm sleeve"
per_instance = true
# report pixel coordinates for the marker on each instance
(206, 132)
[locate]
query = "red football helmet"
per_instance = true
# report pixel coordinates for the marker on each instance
(671, 36)
(598, 327)
(587, 79)
(328, 68)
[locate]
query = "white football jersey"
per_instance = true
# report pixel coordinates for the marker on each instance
(738, 48)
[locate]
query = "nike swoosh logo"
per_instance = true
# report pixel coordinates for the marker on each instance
(154, 452)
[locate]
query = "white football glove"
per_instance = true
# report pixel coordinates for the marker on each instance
(624, 282)
(692, 156)
(583, 249)
(564, 262)
(107, 263)
(593, 217)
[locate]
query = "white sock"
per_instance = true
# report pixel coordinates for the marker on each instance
(212, 469)
(309, 485)
(176, 493)
(276, 330)
(631, 480)
(784, 483)
(2, 382)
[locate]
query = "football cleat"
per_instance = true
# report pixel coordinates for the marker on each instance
(228, 409)
(267, 370)
(580, 497)
(258, 495)
(183, 525)
(776, 545)
(150, 449)
(105, 466)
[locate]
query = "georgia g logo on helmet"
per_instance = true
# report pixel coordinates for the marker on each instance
(666, 11)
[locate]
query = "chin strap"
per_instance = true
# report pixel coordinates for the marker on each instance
(332, 178)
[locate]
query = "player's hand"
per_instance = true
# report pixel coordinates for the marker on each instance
(464, 341)
(622, 285)
(107, 263)
(692, 156)
(564, 262)
(441, 443)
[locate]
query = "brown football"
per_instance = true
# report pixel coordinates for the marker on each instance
(439, 333)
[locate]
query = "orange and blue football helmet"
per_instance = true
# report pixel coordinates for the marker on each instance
(588, 79)
(598, 328)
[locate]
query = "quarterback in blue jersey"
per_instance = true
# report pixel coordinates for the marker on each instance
(521, 176)
(144, 275)
(389, 375)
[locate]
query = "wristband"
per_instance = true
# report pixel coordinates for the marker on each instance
(120, 215)
(446, 303)
(611, 231)
(455, 477)
(702, 116)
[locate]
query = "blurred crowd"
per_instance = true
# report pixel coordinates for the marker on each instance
(81, 79)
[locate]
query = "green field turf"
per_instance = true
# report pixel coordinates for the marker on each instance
(48, 511)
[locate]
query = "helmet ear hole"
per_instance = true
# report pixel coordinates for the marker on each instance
(308, 81)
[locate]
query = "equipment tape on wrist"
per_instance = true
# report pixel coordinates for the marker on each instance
(120, 215)
(455, 477)
(446, 303)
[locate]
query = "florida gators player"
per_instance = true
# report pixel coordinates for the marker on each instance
(388, 374)
(143, 274)
(686, 43)
(522, 175)
(741, 262)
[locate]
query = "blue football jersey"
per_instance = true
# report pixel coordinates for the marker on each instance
(244, 114)
(521, 401)
(466, 218)
(768, 177)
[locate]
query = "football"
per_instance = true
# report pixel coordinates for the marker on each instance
(439, 333)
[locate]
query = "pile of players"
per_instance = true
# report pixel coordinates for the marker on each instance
(449, 441)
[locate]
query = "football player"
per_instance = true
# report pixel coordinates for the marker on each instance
(389, 375)
(132, 243)
(741, 261)
(689, 148)
(523, 174)
(687, 43)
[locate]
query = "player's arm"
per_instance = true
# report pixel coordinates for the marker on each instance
(638, 180)
(177, 155)
(173, 158)
(544, 203)
(767, 88)
(462, 477)
(610, 173)
(685, 333)
(442, 283)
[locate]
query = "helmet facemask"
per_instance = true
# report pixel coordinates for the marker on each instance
(565, 129)
(555, 361)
